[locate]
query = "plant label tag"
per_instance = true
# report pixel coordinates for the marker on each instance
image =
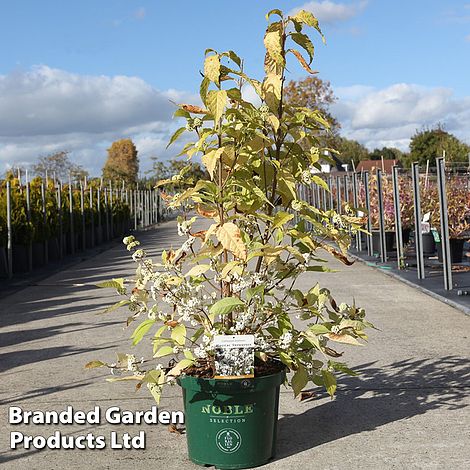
(234, 356)
(436, 236)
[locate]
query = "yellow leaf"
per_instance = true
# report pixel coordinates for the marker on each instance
(198, 270)
(271, 253)
(271, 88)
(229, 267)
(210, 231)
(216, 102)
(230, 237)
(212, 68)
(273, 43)
(210, 160)
(183, 364)
(274, 121)
(346, 339)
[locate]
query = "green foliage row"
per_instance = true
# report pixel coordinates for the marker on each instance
(40, 226)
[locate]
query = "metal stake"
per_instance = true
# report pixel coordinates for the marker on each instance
(398, 226)
(445, 240)
(418, 233)
(383, 243)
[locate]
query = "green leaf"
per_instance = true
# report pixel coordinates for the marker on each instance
(115, 306)
(234, 57)
(216, 102)
(152, 376)
(178, 334)
(319, 329)
(114, 283)
(189, 355)
(94, 364)
(176, 135)
(285, 359)
(178, 368)
(304, 41)
(225, 305)
(330, 382)
(203, 89)
(309, 19)
(164, 351)
(180, 112)
(274, 12)
(340, 366)
(140, 331)
(197, 270)
(299, 380)
(281, 218)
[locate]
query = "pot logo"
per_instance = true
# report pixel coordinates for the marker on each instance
(228, 440)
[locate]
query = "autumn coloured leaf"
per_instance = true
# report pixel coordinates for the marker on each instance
(229, 235)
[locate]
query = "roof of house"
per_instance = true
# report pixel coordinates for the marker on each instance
(371, 165)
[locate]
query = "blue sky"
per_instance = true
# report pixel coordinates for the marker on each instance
(77, 75)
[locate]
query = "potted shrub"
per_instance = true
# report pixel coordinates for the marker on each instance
(22, 230)
(389, 212)
(430, 205)
(236, 278)
(406, 207)
(458, 214)
(3, 233)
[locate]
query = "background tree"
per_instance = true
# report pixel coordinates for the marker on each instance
(122, 163)
(315, 94)
(350, 151)
(58, 164)
(388, 153)
(430, 143)
(162, 170)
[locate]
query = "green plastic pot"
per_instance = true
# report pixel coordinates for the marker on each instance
(231, 423)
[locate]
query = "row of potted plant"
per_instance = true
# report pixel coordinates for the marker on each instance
(49, 223)
(458, 205)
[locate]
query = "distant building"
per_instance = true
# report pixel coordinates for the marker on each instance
(372, 165)
(328, 167)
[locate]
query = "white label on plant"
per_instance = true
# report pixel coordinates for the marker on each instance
(234, 356)
(425, 227)
(234, 341)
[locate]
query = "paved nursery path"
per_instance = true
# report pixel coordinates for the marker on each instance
(408, 409)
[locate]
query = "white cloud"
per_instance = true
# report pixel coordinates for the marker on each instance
(332, 12)
(467, 38)
(390, 116)
(44, 110)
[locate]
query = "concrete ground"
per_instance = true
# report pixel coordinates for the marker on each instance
(407, 410)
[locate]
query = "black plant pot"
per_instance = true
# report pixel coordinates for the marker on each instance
(53, 249)
(3, 262)
(68, 243)
(39, 258)
(456, 250)
(89, 239)
(389, 241)
(405, 235)
(20, 258)
(429, 245)
(98, 236)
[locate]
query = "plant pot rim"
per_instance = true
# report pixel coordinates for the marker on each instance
(224, 385)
